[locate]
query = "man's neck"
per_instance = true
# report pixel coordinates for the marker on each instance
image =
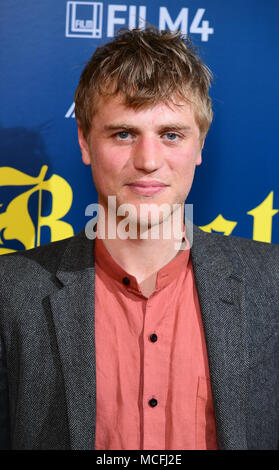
(143, 258)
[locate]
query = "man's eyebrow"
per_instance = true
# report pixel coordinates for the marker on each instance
(175, 127)
(165, 127)
(114, 127)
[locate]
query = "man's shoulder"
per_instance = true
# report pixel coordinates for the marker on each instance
(21, 265)
(44, 253)
(234, 253)
(252, 249)
(253, 255)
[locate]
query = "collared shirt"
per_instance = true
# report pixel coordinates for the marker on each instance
(153, 383)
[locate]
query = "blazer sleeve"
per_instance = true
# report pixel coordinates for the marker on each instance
(4, 401)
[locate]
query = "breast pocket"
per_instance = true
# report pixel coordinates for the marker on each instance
(205, 418)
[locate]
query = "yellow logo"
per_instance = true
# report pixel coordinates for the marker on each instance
(262, 225)
(16, 222)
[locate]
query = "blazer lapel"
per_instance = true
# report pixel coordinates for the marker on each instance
(73, 316)
(220, 287)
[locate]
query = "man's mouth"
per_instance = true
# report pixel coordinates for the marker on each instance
(147, 187)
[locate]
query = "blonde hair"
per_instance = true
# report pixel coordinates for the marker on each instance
(146, 67)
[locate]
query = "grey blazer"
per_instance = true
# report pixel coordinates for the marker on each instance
(47, 354)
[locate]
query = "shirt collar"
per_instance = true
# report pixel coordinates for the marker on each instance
(165, 275)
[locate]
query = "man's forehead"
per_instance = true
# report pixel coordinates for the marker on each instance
(107, 105)
(128, 102)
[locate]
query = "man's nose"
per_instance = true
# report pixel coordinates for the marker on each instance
(147, 154)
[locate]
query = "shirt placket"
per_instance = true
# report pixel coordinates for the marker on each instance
(156, 361)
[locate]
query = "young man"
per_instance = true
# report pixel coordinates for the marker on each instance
(134, 342)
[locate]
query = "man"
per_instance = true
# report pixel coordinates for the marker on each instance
(134, 342)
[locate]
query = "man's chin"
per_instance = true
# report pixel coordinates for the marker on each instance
(146, 212)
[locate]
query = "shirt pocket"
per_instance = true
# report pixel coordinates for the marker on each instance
(205, 418)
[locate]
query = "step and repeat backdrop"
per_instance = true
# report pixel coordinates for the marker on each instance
(45, 188)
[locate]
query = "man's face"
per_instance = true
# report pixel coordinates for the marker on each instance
(142, 156)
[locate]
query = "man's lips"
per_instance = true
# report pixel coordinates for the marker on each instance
(147, 184)
(147, 188)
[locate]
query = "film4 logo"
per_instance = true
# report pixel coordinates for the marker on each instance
(85, 19)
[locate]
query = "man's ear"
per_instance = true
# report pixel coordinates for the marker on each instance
(199, 159)
(85, 155)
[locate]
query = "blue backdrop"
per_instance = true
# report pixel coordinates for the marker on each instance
(44, 187)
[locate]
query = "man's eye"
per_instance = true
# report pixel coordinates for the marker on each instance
(172, 136)
(123, 135)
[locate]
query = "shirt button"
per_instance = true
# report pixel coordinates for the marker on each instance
(153, 338)
(153, 402)
(126, 281)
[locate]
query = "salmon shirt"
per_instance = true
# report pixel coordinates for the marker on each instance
(152, 373)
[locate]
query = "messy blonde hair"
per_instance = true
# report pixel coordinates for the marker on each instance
(146, 67)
